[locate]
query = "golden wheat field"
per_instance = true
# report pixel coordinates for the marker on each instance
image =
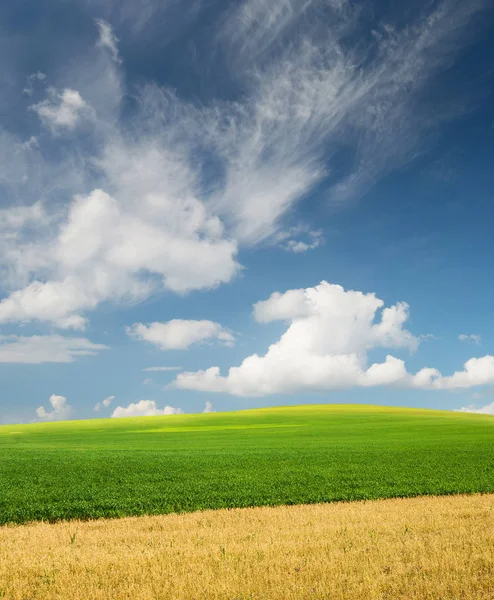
(418, 548)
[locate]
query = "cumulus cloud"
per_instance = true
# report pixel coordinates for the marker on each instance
(61, 410)
(330, 333)
(104, 403)
(488, 409)
(62, 110)
(208, 407)
(107, 39)
(102, 250)
(347, 318)
(476, 371)
(144, 408)
(473, 337)
(180, 334)
(38, 349)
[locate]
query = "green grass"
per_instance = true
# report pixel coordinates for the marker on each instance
(305, 454)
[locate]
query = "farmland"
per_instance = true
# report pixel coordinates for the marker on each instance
(426, 548)
(279, 456)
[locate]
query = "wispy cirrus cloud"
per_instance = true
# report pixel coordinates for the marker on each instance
(107, 39)
(40, 349)
(164, 19)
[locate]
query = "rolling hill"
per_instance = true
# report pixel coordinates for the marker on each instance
(277, 456)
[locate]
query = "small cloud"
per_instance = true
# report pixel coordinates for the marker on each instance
(104, 404)
(108, 40)
(61, 410)
(29, 144)
(62, 110)
(144, 408)
(31, 82)
(155, 369)
(299, 246)
(483, 410)
(480, 395)
(148, 381)
(18, 217)
(471, 338)
(108, 401)
(180, 334)
(208, 407)
(426, 337)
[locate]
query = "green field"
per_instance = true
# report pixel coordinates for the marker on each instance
(305, 454)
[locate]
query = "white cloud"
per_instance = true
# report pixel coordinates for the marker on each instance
(315, 239)
(62, 110)
(30, 144)
(477, 371)
(62, 411)
(103, 249)
(107, 39)
(143, 213)
(475, 338)
(32, 80)
(426, 337)
(297, 247)
(483, 394)
(252, 27)
(484, 410)
(147, 381)
(107, 401)
(17, 217)
(148, 18)
(339, 321)
(155, 369)
(180, 334)
(104, 403)
(325, 91)
(208, 407)
(38, 349)
(326, 347)
(144, 408)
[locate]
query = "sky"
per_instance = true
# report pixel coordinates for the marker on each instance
(210, 205)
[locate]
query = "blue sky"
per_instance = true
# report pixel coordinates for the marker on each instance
(279, 203)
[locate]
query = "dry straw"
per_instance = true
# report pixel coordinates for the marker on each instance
(419, 548)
